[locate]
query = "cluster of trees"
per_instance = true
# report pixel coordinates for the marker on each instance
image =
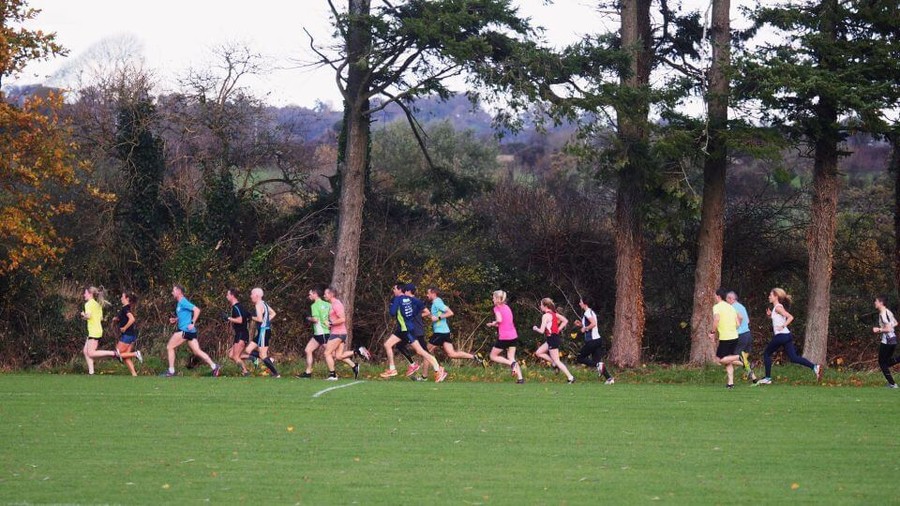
(209, 186)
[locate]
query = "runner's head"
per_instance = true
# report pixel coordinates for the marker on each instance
(233, 296)
(433, 293)
(177, 292)
(731, 298)
(128, 298)
(398, 288)
(331, 293)
(256, 294)
(98, 294)
(721, 293)
(880, 302)
(779, 296)
(409, 289)
(499, 297)
(584, 303)
(547, 305)
(316, 293)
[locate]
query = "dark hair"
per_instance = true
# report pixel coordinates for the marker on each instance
(587, 301)
(434, 290)
(333, 290)
(179, 287)
(722, 293)
(400, 284)
(318, 290)
(409, 287)
(234, 293)
(882, 299)
(132, 298)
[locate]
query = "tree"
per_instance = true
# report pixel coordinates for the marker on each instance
(832, 71)
(634, 136)
(396, 54)
(708, 273)
(35, 152)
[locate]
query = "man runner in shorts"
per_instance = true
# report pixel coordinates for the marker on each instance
(441, 336)
(186, 315)
(745, 337)
(726, 322)
(318, 311)
(264, 316)
(239, 319)
(396, 340)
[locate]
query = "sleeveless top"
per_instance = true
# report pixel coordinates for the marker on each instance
(554, 325)
(887, 319)
(779, 321)
(265, 319)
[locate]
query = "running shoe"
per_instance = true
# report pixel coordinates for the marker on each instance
(364, 353)
(388, 373)
(818, 369)
(891, 385)
(277, 376)
(440, 375)
(118, 354)
(765, 381)
(610, 381)
(331, 378)
(167, 374)
(729, 387)
(305, 375)
(419, 378)
(413, 367)
(217, 370)
(355, 371)
(520, 382)
(571, 381)
(138, 355)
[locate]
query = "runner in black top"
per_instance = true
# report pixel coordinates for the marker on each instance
(238, 318)
(125, 321)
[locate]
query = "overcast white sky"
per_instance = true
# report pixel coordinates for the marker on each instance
(178, 34)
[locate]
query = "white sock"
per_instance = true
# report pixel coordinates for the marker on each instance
(172, 370)
(392, 367)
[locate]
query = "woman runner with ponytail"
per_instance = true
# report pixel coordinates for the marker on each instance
(783, 338)
(125, 321)
(552, 324)
(94, 300)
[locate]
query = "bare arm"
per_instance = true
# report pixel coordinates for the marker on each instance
(196, 316)
(128, 324)
(783, 312)
(545, 323)
(563, 321)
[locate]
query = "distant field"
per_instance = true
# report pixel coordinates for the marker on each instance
(115, 439)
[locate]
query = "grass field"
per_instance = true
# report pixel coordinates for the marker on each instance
(116, 439)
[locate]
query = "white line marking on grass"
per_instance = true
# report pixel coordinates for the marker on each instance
(323, 392)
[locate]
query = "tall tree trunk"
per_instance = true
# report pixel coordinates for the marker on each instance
(820, 235)
(823, 211)
(708, 273)
(894, 167)
(355, 159)
(628, 327)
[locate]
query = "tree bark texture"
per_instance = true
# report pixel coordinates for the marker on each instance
(708, 273)
(628, 327)
(355, 160)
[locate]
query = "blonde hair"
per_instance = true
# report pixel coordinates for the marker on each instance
(782, 296)
(548, 303)
(500, 295)
(99, 294)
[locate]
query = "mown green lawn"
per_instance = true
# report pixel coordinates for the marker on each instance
(192, 440)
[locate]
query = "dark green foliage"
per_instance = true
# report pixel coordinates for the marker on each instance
(141, 213)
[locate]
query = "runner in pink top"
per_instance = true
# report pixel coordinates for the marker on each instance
(334, 348)
(507, 337)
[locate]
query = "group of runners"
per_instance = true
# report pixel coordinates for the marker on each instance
(731, 330)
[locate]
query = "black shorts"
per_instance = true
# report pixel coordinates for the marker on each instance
(400, 332)
(439, 338)
(241, 336)
(263, 336)
(188, 336)
(505, 344)
(727, 348)
(321, 339)
(745, 342)
(553, 341)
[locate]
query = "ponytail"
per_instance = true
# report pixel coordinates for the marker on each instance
(99, 295)
(783, 296)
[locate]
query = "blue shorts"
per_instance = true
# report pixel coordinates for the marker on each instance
(342, 337)
(263, 336)
(128, 338)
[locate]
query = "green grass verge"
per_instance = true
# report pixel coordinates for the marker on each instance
(115, 439)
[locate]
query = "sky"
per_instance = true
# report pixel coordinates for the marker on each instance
(176, 35)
